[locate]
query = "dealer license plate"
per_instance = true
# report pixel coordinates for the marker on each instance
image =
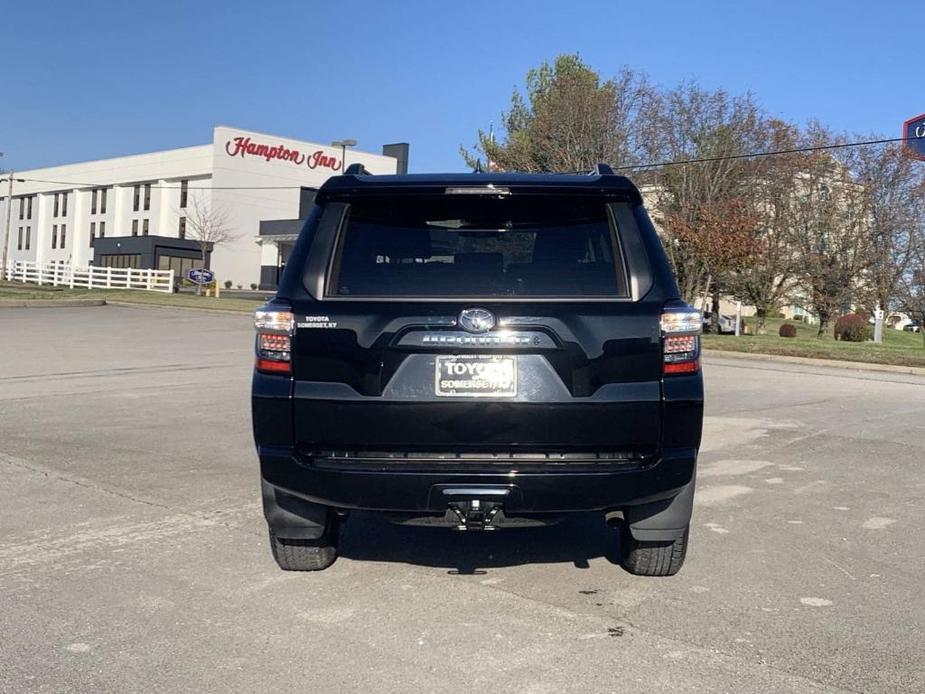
(475, 376)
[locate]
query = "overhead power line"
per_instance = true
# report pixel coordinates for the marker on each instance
(769, 153)
(629, 167)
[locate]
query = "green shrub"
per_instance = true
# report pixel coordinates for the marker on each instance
(858, 333)
(228, 284)
(787, 330)
(853, 328)
(253, 286)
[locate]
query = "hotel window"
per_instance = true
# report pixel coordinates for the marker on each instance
(29, 208)
(103, 201)
(180, 266)
(19, 240)
(93, 201)
(54, 236)
(28, 238)
(134, 227)
(184, 193)
(181, 230)
(120, 260)
(92, 232)
(144, 227)
(102, 230)
(64, 204)
(22, 202)
(63, 235)
(147, 196)
(136, 198)
(55, 214)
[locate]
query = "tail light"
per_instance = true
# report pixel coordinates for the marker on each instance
(681, 328)
(274, 340)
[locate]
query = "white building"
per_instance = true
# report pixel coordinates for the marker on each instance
(143, 210)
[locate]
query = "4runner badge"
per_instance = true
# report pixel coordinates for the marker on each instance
(476, 320)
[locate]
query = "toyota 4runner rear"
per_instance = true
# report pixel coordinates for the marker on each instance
(480, 351)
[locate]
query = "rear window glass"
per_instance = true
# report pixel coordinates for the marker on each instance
(456, 245)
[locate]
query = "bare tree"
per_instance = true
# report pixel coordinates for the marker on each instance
(692, 123)
(893, 189)
(910, 288)
(209, 225)
(569, 119)
(831, 232)
(768, 277)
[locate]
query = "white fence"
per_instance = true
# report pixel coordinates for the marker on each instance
(60, 275)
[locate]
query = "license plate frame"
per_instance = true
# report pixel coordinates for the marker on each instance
(500, 381)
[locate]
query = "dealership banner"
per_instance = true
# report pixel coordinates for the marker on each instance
(914, 137)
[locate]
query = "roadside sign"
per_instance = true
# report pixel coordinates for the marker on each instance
(201, 276)
(912, 129)
(879, 314)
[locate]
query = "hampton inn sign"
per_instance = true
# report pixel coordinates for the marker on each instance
(245, 146)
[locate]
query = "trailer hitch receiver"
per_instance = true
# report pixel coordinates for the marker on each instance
(475, 514)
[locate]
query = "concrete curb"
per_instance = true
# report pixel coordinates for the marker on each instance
(50, 303)
(808, 361)
(164, 307)
(71, 303)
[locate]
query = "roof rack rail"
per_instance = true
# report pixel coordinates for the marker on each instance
(602, 170)
(356, 170)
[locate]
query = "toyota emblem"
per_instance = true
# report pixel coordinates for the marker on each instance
(476, 320)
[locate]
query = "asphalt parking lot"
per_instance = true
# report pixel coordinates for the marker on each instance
(133, 555)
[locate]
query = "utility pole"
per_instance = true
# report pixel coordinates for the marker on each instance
(6, 227)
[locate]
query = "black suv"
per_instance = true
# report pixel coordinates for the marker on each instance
(479, 351)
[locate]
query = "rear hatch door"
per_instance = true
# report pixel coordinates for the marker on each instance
(487, 323)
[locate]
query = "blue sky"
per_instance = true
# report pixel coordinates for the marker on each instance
(86, 80)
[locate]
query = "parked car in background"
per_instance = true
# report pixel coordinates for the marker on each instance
(912, 327)
(727, 324)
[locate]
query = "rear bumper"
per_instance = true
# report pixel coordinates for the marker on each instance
(534, 491)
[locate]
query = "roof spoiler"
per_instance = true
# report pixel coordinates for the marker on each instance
(601, 170)
(356, 170)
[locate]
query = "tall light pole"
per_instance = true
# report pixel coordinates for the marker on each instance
(343, 144)
(6, 226)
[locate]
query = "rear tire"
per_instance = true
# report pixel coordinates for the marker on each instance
(306, 555)
(653, 558)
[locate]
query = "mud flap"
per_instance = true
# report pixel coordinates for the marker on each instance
(292, 518)
(664, 520)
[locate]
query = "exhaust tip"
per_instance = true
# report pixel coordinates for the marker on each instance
(614, 519)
